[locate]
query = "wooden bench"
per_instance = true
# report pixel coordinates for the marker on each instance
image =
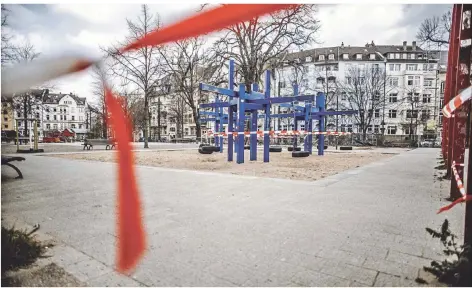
(108, 143)
(6, 161)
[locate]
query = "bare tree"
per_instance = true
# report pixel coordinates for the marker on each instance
(186, 64)
(140, 67)
(6, 46)
(255, 44)
(417, 111)
(177, 111)
(435, 30)
(362, 90)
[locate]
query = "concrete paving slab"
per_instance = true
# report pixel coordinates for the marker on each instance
(262, 232)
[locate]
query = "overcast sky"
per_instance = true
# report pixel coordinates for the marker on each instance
(83, 27)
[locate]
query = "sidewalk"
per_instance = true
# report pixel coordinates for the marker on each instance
(363, 227)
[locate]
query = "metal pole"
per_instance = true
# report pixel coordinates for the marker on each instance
(17, 137)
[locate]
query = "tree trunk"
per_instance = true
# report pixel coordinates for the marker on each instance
(159, 119)
(197, 122)
(146, 120)
(25, 112)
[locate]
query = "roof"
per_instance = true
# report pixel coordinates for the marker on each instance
(353, 51)
(53, 98)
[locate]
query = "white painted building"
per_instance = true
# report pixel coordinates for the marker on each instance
(409, 70)
(54, 112)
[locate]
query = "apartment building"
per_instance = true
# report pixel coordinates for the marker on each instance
(51, 112)
(7, 116)
(409, 88)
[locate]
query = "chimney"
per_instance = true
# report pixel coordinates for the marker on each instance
(404, 45)
(413, 45)
(342, 44)
(372, 44)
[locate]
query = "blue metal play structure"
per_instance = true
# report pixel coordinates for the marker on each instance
(241, 102)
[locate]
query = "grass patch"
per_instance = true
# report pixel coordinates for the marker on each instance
(19, 249)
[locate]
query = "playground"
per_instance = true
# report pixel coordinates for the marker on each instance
(282, 165)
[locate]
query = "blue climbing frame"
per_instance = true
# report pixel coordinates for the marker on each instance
(241, 102)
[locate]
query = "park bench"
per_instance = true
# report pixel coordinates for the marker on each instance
(108, 143)
(6, 161)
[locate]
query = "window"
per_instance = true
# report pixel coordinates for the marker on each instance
(394, 67)
(413, 80)
(377, 113)
(331, 56)
(5, 119)
(282, 84)
(55, 117)
(349, 128)
(411, 114)
(19, 114)
(61, 117)
(405, 56)
(393, 97)
(72, 126)
(397, 55)
(391, 130)
(392, 113)
(442, 87)
(308, 59)
(19, 124)
(425, 114)
(80, 126)
(5, 126)
(376, 129)
(359, 56)
(375, 67)
(412, 67)
(376, 96)
(428, 82)
(431, 67)
(331, 80)
(320, 80)
(361, 80)
(345, 56)
(172, 129)
(369, 129)
(335, 67)
(48, 126)
(343, 128)
(372, 56)
(393, 81)
(321, 58)
(391, 56)
(343, 96)
(409, 130)
(349, 80)
(412, 56)
(305, 69)
(426, 98)
(55, 110)
(54, 126)
(47, 117)
(73, 118)
(65, 117)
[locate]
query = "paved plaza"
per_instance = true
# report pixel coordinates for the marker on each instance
(361, 227)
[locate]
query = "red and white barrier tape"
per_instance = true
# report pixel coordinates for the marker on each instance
(20, 78)
(461, 188)
(457, 101)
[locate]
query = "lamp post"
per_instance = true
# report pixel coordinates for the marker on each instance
(384, 99)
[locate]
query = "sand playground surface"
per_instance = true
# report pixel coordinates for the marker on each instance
(281, 165)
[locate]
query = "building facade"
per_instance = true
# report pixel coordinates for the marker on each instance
(51, 112)
(402, 100)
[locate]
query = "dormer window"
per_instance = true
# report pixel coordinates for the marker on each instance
(308, 59)
(331, 57)
(391, 56)
(412, 56)
(345, 56)
(404, 56)
(359, 56)
(372, 56)
(321, 58)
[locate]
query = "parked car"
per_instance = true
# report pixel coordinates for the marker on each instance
(430, 143)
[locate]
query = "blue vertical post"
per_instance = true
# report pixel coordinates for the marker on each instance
(241, 121)
(267, 117)
(320, 103)
(309, 128)
(217, 121)
(221, 112)
(253, 135)
(230, 112)
(295, 122)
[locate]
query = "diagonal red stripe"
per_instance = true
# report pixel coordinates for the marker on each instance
(206, 22)
(131, 237)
